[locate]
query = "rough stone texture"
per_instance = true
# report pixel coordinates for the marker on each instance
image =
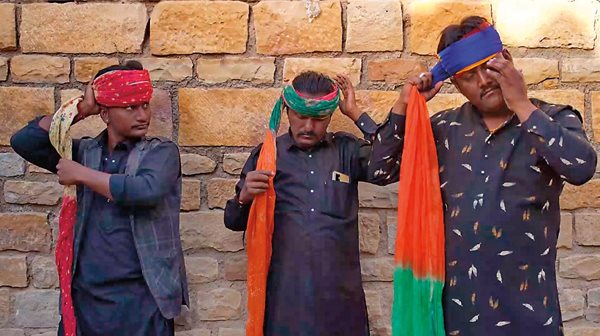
(546, 24)
(374, 309)
(580, 267)
(219, 191)
(219, 304)
(201, 112)
(14, 271)
(3, 68)
(23, 192)
(43, 271)
(36, 309)
(282, 28)
(5, 306)
(190, 195)
(536, 70)
(374, 25)
(596, 116)
(394, 71)
(592, 312)
(11, 164)
(442, 102)
(72, 30)
(581, 70)
(194, 164)
(587, 229)
(40, 69)
(369, 232)
(167, 69)
(574, 98)
(24, 232)
(372, 196)
(582, 331)
(376, 104)
(329, 66)
(15, 113)
(201, 270)
(392, 223)
(234, 163)
(380, 269)
(236, 268)
(195, 332)
(585, 196)
(572, 303)
(8, 33)
(430, 17)
(254, 69)
(565, 237)
(205, 229)
(187, 27)
(85, 68)
(231, 332)
(12, 332)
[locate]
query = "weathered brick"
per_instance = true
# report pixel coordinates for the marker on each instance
(536, 70)
(445, 101)
(253, 69)
(592, 313)
(580, 267)
(219, 304)
(69, 28)
(36, 309)
(376, 104)
(43, 270)
(11, 164)
(585, 196)
(15, 113)
(219, 191)
(374, 25)
(201, 270)
(24, 232)
(231, 332)
(40, 69)
(565, 237)
(582, 331)
(194, 164)
(8, 27)
(199, 27)
(282, 28)
(5, 307)
(369, 233)
(167, 69)
(392, 223)
(25, 192)
(14, 271)
(201, 115)
(574, 98)
(190, 195)
(572, 24)
(374, 310)
(236, 268)
(205, 229)
(195, 332)
(328, 66)
(429, 17)
(580, 70)
(233, 163)
(372, 196)
(572, 303)
(85, 68)
(12, 332)
(394, 71)
(596, 118)
(586, 229)
(3, 68)
(380, 269)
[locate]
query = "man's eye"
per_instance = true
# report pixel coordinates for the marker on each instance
(129, 108)
(146, 106)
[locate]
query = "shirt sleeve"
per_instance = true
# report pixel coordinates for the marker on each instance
(157, 174)
(236, 214)
(562, 143)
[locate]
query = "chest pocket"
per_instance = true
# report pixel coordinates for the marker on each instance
(337, 198)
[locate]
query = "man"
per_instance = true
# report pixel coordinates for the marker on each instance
(314, 282)
(128, 269)
(503, 162)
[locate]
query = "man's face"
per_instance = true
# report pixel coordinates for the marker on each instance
(481, 89)
(128, 122)
(307, 131)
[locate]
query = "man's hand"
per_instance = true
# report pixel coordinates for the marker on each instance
(348, 102)
(423, 84)
(88, 105)
(256, 183)
(68, 172)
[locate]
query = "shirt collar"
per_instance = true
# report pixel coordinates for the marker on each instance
(127, 144)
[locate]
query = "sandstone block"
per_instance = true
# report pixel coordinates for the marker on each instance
(205, 229)
(580, 267)
(8, 27)
(574, 98)
(201, 270)
(11, 164)
(40, 69)
(369, 233)
(380, 269)
(24, 232)
(190, 195)
(394, 71)
(86, 67)
(374, 25)
(586, 228)
(572, 303)
(167, 69)
(328, 66)
(236, 268)
(253, 69)
(3, 68)
(14, 271)
(585, 196)
(194, 164)
(24, 192)
(536, 70)
(219, 191)
(596, 116)
(233, 163)
(15, 113)
(219, 304)
(37, 309)
(44, 272)
(565, 237)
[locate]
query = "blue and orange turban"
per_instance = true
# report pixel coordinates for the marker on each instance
(475, 48)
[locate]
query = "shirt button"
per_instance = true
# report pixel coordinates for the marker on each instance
(312, 172)
(312, 210)
(482, 172)
(362, 124)
(312, 191)
(485, 156)
(309, 155)
(113, 161)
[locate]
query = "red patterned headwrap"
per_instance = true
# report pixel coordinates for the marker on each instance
(122, 88)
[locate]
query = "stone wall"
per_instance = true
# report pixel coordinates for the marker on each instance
(218, 67)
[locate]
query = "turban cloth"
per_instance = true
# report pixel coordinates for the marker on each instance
(122, 88)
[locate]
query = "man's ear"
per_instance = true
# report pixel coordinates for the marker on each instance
(453, 81)
(104, 114)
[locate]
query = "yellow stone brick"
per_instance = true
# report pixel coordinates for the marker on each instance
(40, 69)
(25, 231)
(3, 68)
(185, 27)
(376, 104)
(580, 70)
(546, 23)
(190, 195)
(87, 67)
(374, 25)
(596, 115)
(536, 70)
(585, 196)
(445, 101)
(283, 28)
(15, 113)
(430, 17)
(394, 71)
(253, 69)
(574, 98)
(329, 66)
(565, 237)
(82, 28)
(8, 33)
(167, 69)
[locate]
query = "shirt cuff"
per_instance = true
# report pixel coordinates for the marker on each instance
(539, 124)
(116, 184)
(366, 124)
(399, 123)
